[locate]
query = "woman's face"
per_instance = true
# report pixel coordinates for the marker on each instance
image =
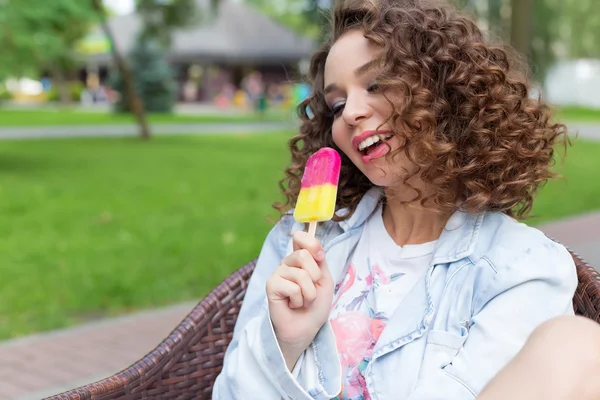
(359, 108)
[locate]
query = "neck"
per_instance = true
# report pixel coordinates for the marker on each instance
(409, 224)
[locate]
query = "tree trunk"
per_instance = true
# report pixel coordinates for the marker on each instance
(62, 85)
(520, 29)
(135, 103)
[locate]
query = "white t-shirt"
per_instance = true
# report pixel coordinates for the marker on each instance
(379, 276)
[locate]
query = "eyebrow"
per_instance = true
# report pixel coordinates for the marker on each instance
(363, 69)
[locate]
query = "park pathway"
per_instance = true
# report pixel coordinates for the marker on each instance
(589, 131)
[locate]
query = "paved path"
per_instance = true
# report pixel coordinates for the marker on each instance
(42, 365)
(581, 234)
(588, 131)
(34, 132)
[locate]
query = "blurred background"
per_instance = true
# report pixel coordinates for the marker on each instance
(141, 143)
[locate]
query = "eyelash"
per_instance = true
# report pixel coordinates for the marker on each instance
(334, 112)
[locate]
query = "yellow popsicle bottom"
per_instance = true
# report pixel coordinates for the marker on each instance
(316, 203)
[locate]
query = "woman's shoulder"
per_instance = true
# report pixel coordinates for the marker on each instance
(510, 254)
(504, 242)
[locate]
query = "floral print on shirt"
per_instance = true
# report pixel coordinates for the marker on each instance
(357, 327)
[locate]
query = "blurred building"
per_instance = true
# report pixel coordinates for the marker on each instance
(574, 83)
(220, 53)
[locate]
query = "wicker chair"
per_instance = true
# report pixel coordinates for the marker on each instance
(186, 364)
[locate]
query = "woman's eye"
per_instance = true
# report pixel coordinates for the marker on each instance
(373, 88)
(336, 110)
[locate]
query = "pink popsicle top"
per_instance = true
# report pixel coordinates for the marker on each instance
(322, 168)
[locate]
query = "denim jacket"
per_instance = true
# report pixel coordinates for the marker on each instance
(491, 282)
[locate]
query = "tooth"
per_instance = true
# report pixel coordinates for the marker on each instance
(372, 140)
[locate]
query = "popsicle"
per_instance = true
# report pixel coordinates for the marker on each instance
(318, 191)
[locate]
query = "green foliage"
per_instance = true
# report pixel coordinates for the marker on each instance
(75, 90)
(544, 36)
(160, 17)
(306, 17)
(153, 78)
(4, 94)
(40, 35)
(52, 94)
(559, 28)
(580, 23)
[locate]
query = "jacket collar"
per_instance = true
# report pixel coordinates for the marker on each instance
(459, 237)
(457, 241)
(367, 205)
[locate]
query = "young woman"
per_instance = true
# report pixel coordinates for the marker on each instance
(425, 285)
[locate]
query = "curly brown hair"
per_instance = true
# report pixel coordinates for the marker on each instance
(466, 119)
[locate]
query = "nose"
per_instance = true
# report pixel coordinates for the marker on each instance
(356, 109)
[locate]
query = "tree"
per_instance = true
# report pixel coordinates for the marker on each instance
(532, 28)
(520, 27)
(545, 36)
(36, 36)
(496, 22)
(153, 79)
(135, 103)
(581, 27)
(306, 17)
(159, 18)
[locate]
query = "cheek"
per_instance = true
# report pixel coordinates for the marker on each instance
(383, 107)
(339, 135)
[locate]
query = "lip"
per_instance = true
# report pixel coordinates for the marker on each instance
(368, 158)
(366, 134)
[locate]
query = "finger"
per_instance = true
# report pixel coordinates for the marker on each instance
(303, 259)
(279, 288)
(301, 278)
(326, 280)
(302, 240)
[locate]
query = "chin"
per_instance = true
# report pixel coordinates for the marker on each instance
(378, 177)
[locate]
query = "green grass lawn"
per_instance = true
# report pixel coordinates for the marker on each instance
(99, 227)
(578, 191)
(38, 117)
(578, 114)
(76, 117)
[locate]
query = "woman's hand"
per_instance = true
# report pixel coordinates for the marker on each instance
(300, 293)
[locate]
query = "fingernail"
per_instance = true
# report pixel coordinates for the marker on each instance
(321, 255)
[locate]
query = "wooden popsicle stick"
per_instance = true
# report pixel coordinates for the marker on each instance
(312, 228)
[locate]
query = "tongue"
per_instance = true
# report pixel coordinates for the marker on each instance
(374, 147)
